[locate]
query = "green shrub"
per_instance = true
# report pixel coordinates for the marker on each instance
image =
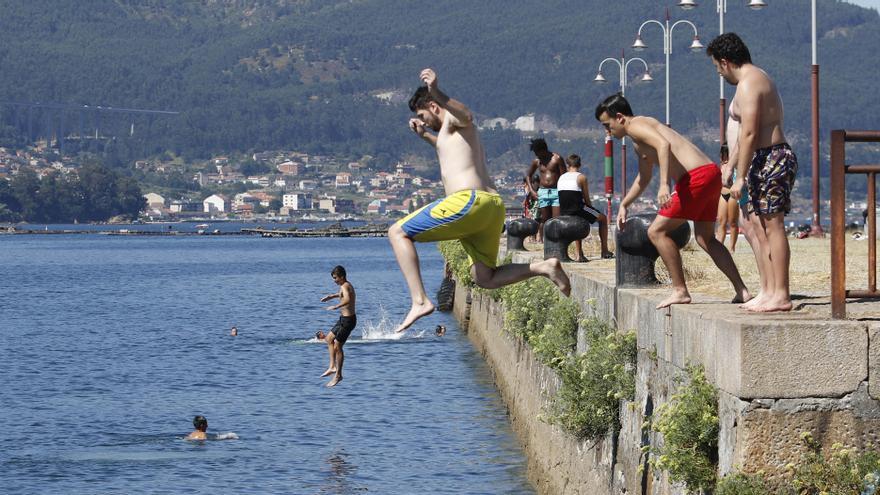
(843, 472)
(527, 306)
(558, 338)
(593, 383)
(457, 260)
(689, 425)
(459, 264)
(743, 484)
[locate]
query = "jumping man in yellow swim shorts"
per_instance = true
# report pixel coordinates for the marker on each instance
(472, 210)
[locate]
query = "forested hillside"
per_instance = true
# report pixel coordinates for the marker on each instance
(248, 74)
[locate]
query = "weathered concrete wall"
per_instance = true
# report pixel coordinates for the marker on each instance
(778, 376)
(558, 464)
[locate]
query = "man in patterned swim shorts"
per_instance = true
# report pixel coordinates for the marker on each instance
(765, 160)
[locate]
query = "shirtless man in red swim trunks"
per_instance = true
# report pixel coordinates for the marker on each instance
(697, 189)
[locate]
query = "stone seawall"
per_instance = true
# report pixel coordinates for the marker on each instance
(777, 376)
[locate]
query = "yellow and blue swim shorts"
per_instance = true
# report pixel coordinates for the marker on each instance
(475, 218)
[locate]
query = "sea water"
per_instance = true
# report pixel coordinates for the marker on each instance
(109, 346)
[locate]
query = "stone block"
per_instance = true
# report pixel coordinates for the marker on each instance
(874, 359)
(785, 359)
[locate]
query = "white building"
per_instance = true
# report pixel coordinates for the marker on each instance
(308, 185)
(526, 123)
(215, 203)
(297, 201)
(154, 200)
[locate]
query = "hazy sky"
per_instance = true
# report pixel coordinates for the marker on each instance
(874, 4)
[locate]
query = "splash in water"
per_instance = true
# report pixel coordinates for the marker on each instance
(384, 329)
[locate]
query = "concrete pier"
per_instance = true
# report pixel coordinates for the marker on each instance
(778, 375)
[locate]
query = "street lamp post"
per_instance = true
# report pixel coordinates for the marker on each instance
(721, 8)
(639, 45)
(623, 66)
(816, 226)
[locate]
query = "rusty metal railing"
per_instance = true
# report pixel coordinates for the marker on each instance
(839, 169)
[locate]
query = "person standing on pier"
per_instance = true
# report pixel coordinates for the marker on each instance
(472, 211)
(338, 335)
(764, 159)
(574, 199)
(697, 189)
(549, 167)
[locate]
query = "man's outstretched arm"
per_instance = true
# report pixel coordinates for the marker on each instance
(462, 115)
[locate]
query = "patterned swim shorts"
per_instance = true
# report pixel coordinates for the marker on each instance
(771, 179)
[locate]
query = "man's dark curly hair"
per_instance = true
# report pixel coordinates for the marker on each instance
(730, 47)
(420, 99)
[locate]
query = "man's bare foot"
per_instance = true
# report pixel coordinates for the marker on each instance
(416, 311)
(773, 306)
(677, 297)
(607, 255)
(742, 297)
(758, 300)
(329, 372)
(552, 269)
(334, 381)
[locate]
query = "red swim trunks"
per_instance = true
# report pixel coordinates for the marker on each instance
(696, 195)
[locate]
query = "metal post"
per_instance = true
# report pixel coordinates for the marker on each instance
(816, 227)
(722, 110)
(872, 232)
(838, 243)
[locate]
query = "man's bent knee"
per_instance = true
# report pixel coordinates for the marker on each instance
(483, 277)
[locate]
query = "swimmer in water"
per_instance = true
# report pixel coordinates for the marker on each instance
(234, 331)
(201, 426)
(440, 331)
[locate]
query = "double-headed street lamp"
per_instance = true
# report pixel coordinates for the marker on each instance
(623, 66)
(667, 45)
(721, 8)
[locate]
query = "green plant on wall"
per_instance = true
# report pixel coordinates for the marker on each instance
(457, 260)
(744, 484)
(593, 383)
(842, 472)
(459, 264)
(527, 306)
(689, 425)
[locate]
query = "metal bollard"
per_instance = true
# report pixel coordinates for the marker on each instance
(636, 253)
(517, 231)
(559, 232)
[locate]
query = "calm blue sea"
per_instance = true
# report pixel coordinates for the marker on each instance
(109, 346)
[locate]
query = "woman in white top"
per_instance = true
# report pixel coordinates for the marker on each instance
(574, 199)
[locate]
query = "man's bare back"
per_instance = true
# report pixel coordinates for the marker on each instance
(684, 156)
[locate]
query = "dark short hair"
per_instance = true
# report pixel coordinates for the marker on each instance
(573, 161)
(420, 99)
(538, 144)
(724, 152)
(614, 105)
(319, 335)
(200, 422)
(338, 270)
(730, 47)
